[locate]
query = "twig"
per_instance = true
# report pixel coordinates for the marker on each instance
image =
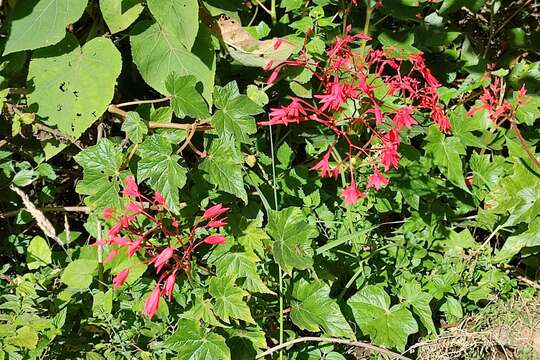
(113, 109)
(60, 136)
(139, 102)
(508, 19)
(364, 345)
(524, 144)
(84, 209)
(271, 314)
(188, 138)
(128, 159)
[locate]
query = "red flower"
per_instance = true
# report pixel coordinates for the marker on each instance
(120, 278)
(377, 180)
(152, 303)
(215, 239)
(131, 188)
(163, 258)
(133, 248)
(335, 97)
(115, 229)
(277, 44)
(159, 198)
(214, 211)
(323, 165)
(351, 194)
(403, 118)
(217, 223)
(118, 240)
(441, 119)
(389, 157)
(107, 213)
(111, 255)
(169, 285)
(136, 208)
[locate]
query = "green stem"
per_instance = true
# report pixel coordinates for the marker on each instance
(273, 15)
(366, 25)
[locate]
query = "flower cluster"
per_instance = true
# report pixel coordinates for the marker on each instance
(147, 228)
(369, 97)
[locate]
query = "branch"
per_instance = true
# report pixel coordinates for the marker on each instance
(138, 102)
(113, 109)
(524, 144)
(364, 345)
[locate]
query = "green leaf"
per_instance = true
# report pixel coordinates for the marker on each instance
(413, 295)
(79, 273)
(186, 100)
(162, 168)
(134, 127)
(449, 6)
(26, 337)
(202, 310)
(38, 253)
(73, 85)
(39, 23)
(228, 299)
(101, 178)
(179, 17)
(191, 342)
(315, 311)
(514, 244)
(242, 265)
(529, 112)
(102, 303)
(388, 326)
(257, 95)
(166, 55)
(234, 117)
(119, 14)
(223, 167)
(24, 177)
(292, 236)
(446, 153)
(398, 44)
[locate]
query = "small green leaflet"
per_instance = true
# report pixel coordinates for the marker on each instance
(119, 14)
(446, 153)
(73, 85)
(165, 55)
(134, 127)
(162, 169)
(202, 310)
(223, 167)
(315, 311)
(186, 100)
(191, 342)
(40, 23)
(234, 114)
(292, 236)
(180, 17)
(385, 325)
(228, 301)
(101, 178)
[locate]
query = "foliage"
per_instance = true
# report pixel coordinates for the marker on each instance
(361, 170)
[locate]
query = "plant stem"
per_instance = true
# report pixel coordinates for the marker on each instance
(273, 14)
(139, 102)
(366, 25)
(364, 345)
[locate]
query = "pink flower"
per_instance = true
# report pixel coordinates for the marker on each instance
(214, 211)
(389, 157)
(120, 241)
(159, 198)
(215, 239)
(115, 229)
(120, 278)
(403, 117)
(163, 258)
(99, 243)
(107, 213)
(152, 303)
(323, 165)
(438, 116)
(377, 180)
(169, 285)
(133, 248)
(277, 44)
(218, 223)
(351, 194)
(174, 223)
(136, 208)
(131, 188)
(274, 75)
(111, 255)
(335, 97)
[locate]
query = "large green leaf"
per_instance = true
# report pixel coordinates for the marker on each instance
(78, 274)
(446, 153)
(101, 178)
(186, 100)
(234, 114)
(158, 53)
(419, 300)
(242, 265)
(223, 167)
(119, 14)
(38, 253)
(73, 85)
(162, 168)
(180, 17)
(228, 299)
(39, 23)
(292, 236)
(514, 244)
(191, 342)
(388, 326)
(315, 311)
